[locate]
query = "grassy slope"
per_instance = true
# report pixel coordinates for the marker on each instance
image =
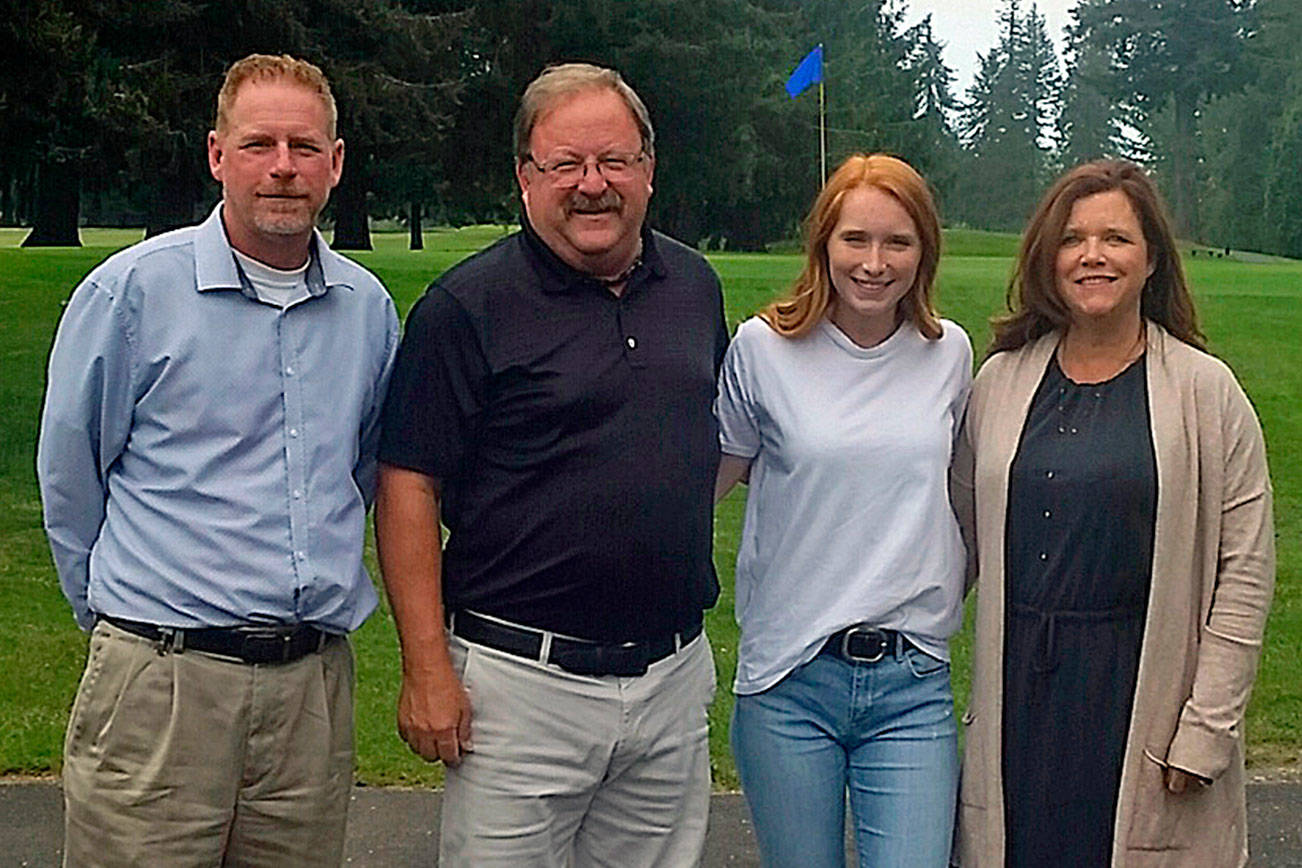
(1252, 319)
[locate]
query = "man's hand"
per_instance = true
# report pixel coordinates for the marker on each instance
(434, 716)
(1178, 780)
(433, 708)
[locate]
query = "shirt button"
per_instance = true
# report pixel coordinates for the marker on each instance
(1062, 430)
(289, 372)
(1047, 475)
(297, 494)
(302, 556)
(632, 342)
(293, 432)
(1044, 556)
(1047, 513)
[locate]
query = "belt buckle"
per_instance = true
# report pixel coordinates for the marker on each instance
(268, 645)
(870, 634)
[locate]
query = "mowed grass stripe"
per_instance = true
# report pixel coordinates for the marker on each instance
(1251, 314)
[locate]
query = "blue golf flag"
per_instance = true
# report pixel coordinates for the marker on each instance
(808, 72)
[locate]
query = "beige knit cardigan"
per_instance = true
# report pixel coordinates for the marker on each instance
(1213, 576)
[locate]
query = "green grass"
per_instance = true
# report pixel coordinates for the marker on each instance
(1252, 315)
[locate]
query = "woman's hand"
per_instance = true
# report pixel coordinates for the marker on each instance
(1179, 781)
(732, 469)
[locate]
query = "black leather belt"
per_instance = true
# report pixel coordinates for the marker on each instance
(862, 644)
(270, 644)
(573, 655)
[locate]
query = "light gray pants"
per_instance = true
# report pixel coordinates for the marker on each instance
(576, 770)
(194, 760)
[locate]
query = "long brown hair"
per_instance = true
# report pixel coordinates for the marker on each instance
(1035, 306)
(809, 297)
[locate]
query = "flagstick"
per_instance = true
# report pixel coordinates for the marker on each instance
(822, 134)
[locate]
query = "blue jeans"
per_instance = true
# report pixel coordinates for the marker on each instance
(885, 731)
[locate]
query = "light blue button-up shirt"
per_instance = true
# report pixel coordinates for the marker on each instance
(206, 459)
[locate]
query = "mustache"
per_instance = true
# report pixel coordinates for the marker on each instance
(609, 200)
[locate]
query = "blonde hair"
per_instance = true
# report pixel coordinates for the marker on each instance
(257, 67)
(808, 299)
(567, 79)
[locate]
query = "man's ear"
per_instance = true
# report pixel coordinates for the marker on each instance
(336, 163)
(522, 178)
(215, 155)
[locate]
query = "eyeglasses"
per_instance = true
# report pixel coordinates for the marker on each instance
(568, 171)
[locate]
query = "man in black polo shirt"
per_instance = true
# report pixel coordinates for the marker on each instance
(552, 406)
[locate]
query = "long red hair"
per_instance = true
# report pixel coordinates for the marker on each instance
(808, 299)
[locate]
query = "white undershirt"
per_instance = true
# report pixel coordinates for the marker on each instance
(275, 286)
(848, 518)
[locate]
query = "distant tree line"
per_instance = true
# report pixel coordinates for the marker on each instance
(1206, 93)
(104, 107)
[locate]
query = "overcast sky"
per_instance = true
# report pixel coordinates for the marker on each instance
(965, 27)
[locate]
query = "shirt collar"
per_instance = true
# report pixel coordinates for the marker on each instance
(215, 266)
(559, 276)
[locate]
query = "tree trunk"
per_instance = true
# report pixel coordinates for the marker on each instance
(7, 184)
(413, 224)
(172, 198)
(1184, 185)
(680, 219)
(352, 230)
(58, 201)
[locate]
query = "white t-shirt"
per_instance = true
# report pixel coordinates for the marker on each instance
(848, 518)
(277, 287)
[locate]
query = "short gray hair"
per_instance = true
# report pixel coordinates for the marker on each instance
(568, 79)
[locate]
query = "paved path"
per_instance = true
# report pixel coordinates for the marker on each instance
(394, 828)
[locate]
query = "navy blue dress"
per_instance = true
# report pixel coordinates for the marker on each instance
(1082, 504)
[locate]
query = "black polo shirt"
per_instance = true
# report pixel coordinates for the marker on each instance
(573, 433)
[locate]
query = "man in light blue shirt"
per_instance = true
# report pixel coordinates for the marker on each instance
(206, 459)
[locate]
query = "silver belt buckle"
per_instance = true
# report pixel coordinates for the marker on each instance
(883, 644)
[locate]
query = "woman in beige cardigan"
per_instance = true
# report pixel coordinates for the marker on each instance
(1111, 481)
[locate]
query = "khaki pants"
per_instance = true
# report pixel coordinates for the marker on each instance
(580, 770)
(195, 760)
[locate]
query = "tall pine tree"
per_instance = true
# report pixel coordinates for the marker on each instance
(1087, 128)
(1171, 57)
(1008, 122)
(934, 148)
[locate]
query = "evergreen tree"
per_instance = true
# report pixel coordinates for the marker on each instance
(870, 97)
(1041, 81)
(1008, 121)
(1087, 128)
(935, 151)
(1281, 33)
(1171, 56)
(1235, 135)
(50, 84)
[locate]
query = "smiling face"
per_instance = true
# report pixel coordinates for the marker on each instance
(277, 165)
(872, 259)
(596, 225)
(1103, 261)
